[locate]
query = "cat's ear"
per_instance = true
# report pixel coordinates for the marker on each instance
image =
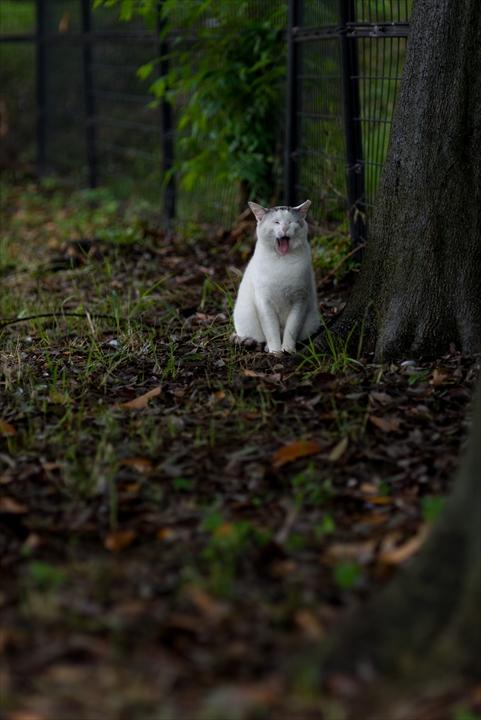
(303, 208)
(258, 210)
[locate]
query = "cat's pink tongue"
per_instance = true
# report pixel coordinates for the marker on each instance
(283, 244)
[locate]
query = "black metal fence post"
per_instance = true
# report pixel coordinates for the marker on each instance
(166, 129)
(41, 89)
(88, 95)
(293, 103)
(352, 127)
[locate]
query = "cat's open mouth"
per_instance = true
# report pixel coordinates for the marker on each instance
(283, 244)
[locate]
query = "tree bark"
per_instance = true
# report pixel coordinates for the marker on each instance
(421, 637)
(419, 287)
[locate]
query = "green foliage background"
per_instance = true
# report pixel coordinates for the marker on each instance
(227, 62)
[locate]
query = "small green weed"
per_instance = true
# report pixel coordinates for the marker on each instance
(346, 574)
(432, 507)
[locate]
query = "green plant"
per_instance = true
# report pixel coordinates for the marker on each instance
(45, 576)
(461, 712)
(225, 87)
(346, 574)
(309, 488)
(432, 507)
(340, 359)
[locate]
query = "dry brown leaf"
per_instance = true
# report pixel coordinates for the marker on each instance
(381, 397)
(142, 465)
(384, 424)
(369, 488)
(32, 541)
(275, 378)
(119, 540)
(253, 373)
(133, 488)
(25, 715)
(11, 506)
(5, 479)
(310, 626)
(212, 609)
(141, 402)
(49, 466)
(165, 533)
(407, 549)
(6, 428)
(339, 449)
(293, 451)
(244, 697)
(438, 378)
(219, 395)
(380, 500)
(362, 551)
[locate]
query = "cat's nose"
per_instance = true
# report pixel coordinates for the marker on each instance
(285, 228)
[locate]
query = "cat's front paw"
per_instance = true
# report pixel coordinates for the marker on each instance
(247, 342)
(290, 349)
(273, 350)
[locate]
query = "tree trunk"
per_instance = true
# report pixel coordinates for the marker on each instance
(419, 288)
(421, 637)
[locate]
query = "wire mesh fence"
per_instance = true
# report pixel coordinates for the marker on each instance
(81, 109)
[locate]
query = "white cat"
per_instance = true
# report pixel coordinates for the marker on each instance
(276, 303)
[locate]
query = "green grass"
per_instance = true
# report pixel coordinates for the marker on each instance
(175, 515)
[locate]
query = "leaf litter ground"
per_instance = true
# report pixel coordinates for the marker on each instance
(180, 517)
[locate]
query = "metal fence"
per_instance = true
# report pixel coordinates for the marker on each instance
(344, 70)
(78, 101)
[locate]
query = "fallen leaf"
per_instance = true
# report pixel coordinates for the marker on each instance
(380, 500)
(142, 465)
(243, 697)
(6, 428)
(384, 424)
(5, 479)
(310, 626)
(133, 488)
(119, 540)
(141, 402)
(12, 507)
(362, 551)
(438, 378)
(339, 449)
(49, 466)
(25, 715)
(32, 541)
(293, 451)
(369, 488)
(381, 397)
(253, 373)
(212, 609)
(219, 395)
(165, 534)
(406, 550)
(275, 378)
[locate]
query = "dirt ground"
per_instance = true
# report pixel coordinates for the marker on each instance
(182, 519)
